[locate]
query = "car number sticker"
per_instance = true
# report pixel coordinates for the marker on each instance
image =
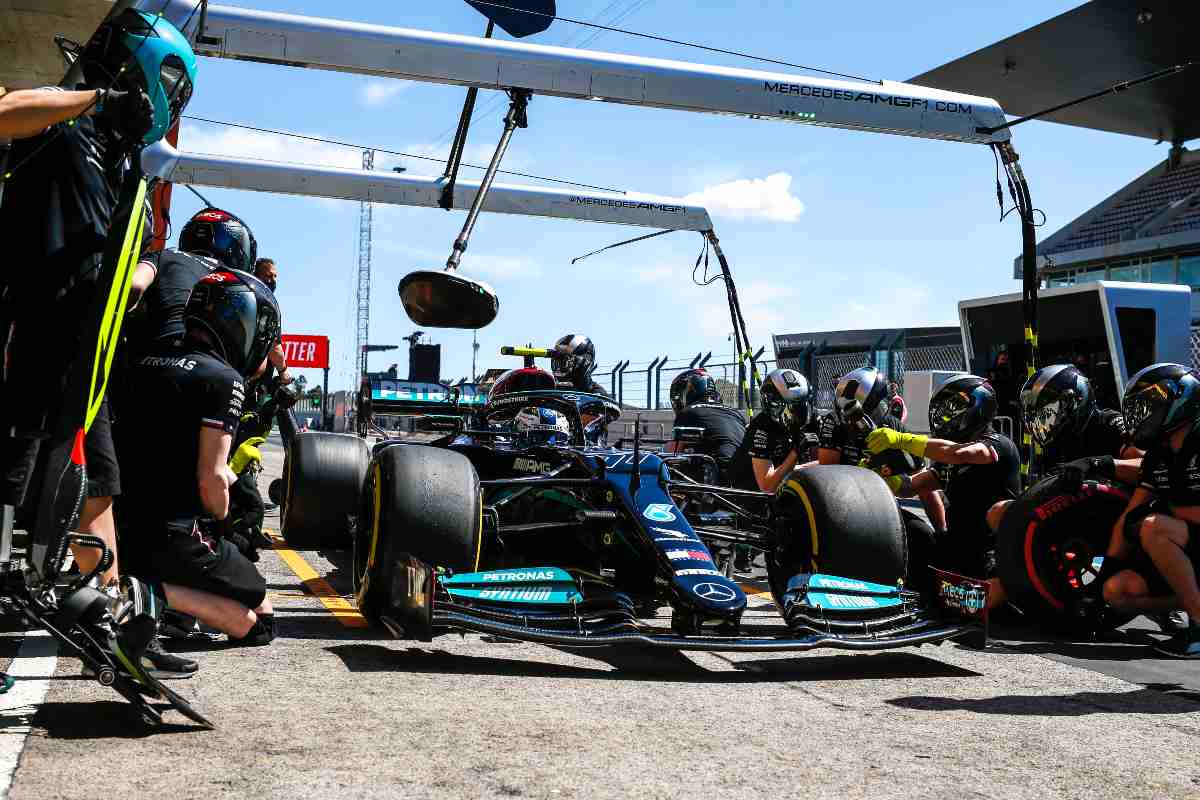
(659, 512)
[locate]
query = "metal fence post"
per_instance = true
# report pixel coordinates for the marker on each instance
(658, 383)
(692, 363)
(649, 382)
(621, 381)
(704, 360)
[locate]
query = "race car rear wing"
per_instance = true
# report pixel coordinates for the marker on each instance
(233, 172)
(321, 43)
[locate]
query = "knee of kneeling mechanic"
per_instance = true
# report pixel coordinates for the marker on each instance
(1150, 531)
(996, 513)
(1114, 590)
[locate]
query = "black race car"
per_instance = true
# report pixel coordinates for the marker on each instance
(544, 533)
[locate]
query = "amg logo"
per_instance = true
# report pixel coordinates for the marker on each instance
(531, 575)
(532, 465)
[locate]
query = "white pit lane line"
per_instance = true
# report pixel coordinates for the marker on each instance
(32, 669)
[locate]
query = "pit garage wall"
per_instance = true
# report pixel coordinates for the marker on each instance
(28, 55)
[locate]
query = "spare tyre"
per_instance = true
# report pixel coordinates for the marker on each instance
(323, 475)
(417, 501)
(1049, 548)
(838, 520)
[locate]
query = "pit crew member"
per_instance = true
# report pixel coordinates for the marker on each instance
(975, 466)
(232, 322)
(1075, 436)
(59, 195)
(573, 362)
(698, 404)
(769, 451)
(1151, 561)
(862, 401)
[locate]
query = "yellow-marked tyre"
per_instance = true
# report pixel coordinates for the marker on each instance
(421, 501)
(841, 520)
(323, 476)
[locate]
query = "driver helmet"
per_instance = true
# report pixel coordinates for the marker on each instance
(786, 399)
(219, 234)
(536, 426)
(1056, 400)
(693, 386)
(962, 409)
(1159, 399)
(573, 360)
(523, 379)
(868, 388)
(140, 51)
(240, 316)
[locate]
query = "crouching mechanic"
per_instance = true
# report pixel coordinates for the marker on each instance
(698, 404)
(975, 466)
(863, 400)
(1076, 438)
(1151, 561)
(198, 388)
(770, 449)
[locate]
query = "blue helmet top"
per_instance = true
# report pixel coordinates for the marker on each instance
(153, 53)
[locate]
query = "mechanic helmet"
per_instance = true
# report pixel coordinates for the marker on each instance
(523, 379)
(693, 386)
(1056, 400)
(541, 426)
(240, 316)
(139, 51)
(573, 360)
(866, 386)
(1158, 400)
(217, 233)
(786, 399)
(962, 409)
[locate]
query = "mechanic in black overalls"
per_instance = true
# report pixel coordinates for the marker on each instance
(1075, 437)
(59, 195)
(573, 362)
(1152, 560)
(698, 404)
(976, 468)
(862, 401)
(769, 451)
(232, 321)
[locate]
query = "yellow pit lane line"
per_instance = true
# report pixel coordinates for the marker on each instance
(340, 607)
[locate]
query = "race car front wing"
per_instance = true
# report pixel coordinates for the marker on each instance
(531, 605)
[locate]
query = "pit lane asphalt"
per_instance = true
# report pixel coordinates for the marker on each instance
(334, 711)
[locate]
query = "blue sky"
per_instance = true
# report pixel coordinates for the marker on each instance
(825, 229)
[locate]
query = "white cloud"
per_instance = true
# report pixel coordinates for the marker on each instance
(768, 198)
(379, 92)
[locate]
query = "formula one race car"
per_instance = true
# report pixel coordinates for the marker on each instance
(511, 523)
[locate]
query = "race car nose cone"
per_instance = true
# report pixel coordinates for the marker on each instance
(447, 299)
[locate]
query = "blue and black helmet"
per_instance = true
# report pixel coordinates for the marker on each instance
(139, 50)
(1159, 399)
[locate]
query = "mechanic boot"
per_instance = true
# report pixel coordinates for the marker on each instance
(167, 665)
(261, 633)
(1185, 644)
(1171, 621)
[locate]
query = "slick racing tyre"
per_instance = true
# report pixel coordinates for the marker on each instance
(1047, 549)
(421, 501)
(323, 476)
(838, 520)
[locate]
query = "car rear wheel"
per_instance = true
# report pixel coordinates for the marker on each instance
(323, 477)
(841, 520)
(1048, 549)
(419, 501)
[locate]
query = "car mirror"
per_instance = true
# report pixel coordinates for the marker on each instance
(447, 299)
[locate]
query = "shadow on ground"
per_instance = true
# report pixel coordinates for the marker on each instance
(100, 719)
(635, 664)
(1149, 700)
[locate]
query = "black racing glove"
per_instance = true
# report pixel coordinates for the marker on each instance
(1074, 473)
(129, 113)
(225, 529)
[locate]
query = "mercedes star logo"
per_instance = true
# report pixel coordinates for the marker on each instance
(714, 592)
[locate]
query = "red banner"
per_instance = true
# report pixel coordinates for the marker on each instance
(306, 352)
